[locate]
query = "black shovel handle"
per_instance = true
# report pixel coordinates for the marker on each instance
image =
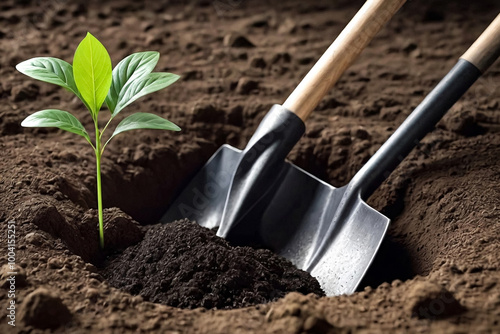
(483, 53)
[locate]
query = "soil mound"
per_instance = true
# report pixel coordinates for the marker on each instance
(185, 265)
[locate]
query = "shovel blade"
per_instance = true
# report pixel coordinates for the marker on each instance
(329, 232)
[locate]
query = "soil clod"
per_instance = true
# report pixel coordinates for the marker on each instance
(429, 300)
(43, 309)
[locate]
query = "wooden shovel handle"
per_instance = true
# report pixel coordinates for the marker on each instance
(486, 49)
(341, 53)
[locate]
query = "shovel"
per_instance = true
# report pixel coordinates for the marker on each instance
(254, 196)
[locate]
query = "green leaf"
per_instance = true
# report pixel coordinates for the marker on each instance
(92, 72)
(144, 121)
(142, 86)
(130, 68)
(51, 70)
(55, 118)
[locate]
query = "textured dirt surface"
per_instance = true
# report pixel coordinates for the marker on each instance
(185, 265)
(438, 270)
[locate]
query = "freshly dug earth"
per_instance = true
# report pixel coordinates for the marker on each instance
(185, 265)
(439, 268)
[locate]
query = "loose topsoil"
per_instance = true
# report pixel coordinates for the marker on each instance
(438, 269)
(185, 265)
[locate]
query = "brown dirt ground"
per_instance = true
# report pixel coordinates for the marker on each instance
(439, 268)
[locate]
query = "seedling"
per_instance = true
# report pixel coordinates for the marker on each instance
(92, 80)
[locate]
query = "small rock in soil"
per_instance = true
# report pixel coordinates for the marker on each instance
(237, 41)
(429, 300)
(185, 265)
(43, 309)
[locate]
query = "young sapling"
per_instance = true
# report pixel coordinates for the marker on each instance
(95, 83)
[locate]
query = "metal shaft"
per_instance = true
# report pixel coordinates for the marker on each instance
(421, 121)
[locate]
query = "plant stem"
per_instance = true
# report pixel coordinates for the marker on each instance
(99, 187)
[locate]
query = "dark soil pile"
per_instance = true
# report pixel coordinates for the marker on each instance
(185, 265)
